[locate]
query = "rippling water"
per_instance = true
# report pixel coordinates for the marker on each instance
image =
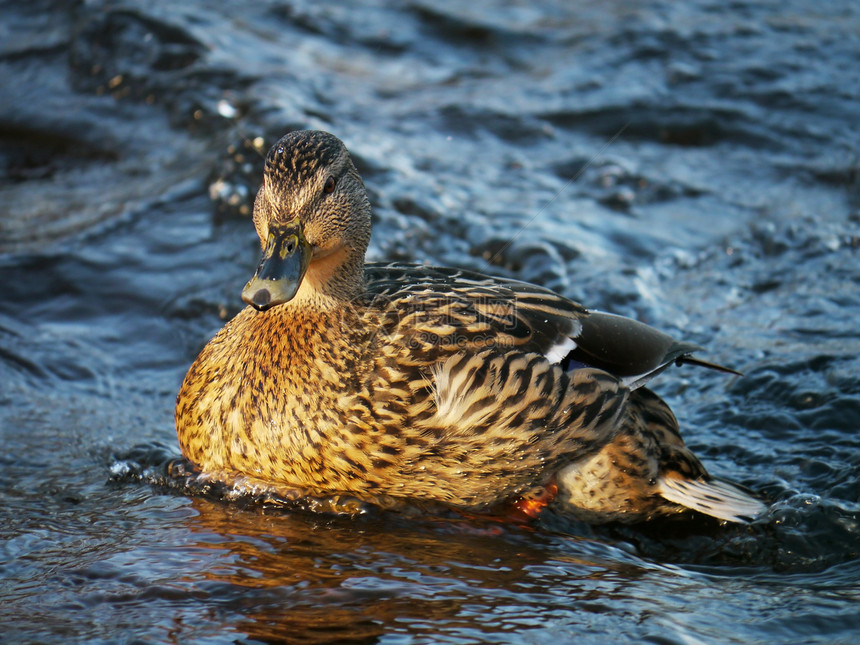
(691, 164)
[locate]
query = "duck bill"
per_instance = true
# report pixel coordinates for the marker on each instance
(285, 260)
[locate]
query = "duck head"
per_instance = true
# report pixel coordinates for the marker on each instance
(313, 219)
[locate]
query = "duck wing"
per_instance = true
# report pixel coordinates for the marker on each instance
(445, 310)
(473, 311)
(631, 350)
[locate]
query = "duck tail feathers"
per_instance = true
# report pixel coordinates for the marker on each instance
(715, 497)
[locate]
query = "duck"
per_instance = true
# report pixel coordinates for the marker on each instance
(403, 381)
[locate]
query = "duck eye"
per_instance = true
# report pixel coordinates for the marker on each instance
(328, 188)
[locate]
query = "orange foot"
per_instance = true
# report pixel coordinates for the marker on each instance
(529, 506)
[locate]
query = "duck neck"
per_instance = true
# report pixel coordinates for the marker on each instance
(331, 281)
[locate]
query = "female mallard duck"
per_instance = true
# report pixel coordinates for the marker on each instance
(404, 381)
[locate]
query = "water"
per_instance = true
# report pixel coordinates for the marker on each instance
(694, 165)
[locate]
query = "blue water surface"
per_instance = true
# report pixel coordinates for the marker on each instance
(694, 165)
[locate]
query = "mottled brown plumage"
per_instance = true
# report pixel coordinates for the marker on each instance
(404, 381)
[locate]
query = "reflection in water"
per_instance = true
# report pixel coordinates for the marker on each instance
(307, 578)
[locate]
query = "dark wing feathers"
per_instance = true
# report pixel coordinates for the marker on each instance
(631, 350)
(445, 306)
(482, 309)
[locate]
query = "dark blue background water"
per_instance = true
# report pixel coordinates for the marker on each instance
(696, 165)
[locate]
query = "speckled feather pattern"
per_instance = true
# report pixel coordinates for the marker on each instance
(620, 482)
(431, 401)
(405, 381)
